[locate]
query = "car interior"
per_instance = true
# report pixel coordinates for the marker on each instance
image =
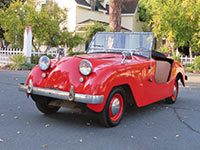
(163, 67)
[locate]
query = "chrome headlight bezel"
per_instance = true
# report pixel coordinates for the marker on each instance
(85, 67)
(44, 63)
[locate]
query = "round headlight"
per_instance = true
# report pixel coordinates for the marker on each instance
(85, 67)
(44, 63)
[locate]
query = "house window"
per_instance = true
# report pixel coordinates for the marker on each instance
(94, 5)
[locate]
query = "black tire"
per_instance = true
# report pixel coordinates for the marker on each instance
(46, 109)
(106, 117)
(42, 104)
(172, 99)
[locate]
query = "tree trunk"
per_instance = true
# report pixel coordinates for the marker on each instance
(92, 5)
(34, 46)
(115, 15)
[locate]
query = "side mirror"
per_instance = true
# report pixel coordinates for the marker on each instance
(126, 55)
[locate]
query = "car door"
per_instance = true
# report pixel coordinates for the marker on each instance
(153, 91)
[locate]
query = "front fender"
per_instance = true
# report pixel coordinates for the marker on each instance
(108, 79)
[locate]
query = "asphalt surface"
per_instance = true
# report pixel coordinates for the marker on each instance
(155, 127)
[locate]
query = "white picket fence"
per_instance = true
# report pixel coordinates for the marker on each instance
(7, 53)
(52, 52)
(187, 60)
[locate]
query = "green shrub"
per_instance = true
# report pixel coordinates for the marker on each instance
(197, 63)
(177, 58)
(26, 66)
(163, 50)
(188, 68)
(17, 60)
(188, 65)
(35, 59)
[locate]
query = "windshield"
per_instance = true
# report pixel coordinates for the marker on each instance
(137, 42)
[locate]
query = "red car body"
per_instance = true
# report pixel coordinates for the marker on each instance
(136, 76)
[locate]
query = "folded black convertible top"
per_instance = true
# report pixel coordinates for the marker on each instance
(157, 54)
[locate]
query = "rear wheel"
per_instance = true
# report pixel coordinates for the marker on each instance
(42, 103)
(114, 108)
(172, 99)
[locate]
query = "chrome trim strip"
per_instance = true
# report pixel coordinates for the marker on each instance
(82, 98)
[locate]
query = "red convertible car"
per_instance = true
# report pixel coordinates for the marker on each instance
(119, 68)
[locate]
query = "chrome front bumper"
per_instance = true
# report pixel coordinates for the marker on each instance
(57, 94)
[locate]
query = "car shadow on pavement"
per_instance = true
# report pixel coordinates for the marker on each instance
(74, 117)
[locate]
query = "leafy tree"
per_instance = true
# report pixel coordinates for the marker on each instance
(175, 20)
(45, 23)
(91, 30)
(71, 39)
(12, 22)
(178, 21)
(145, 14)
(196, 36)
(4, 4)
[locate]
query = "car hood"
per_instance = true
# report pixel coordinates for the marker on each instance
(98, 60)
(102, 60)
(95, 56)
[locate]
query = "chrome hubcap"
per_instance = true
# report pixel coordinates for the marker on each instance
(115, 107)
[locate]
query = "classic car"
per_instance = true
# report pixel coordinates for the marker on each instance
(119, 68)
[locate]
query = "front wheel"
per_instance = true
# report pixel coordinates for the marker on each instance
(172, 99)
(42, 103)
(114, 108)
(47, 109)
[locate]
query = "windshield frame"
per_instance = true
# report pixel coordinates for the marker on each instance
(102, 49)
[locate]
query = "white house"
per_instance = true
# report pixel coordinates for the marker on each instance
(82, 12)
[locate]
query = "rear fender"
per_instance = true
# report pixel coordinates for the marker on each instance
(178, 72)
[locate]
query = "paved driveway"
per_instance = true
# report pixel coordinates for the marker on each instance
(155, 127)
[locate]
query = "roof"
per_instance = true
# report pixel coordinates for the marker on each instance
(129, 6)
(101, 7)
(82, 2)
(85, 3)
